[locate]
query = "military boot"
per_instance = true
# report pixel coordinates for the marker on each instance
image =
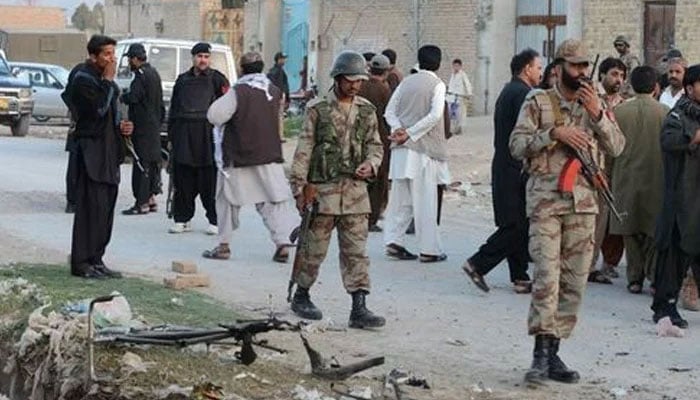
(558, 371)
(360, 316)
(303, 307)
(539, 370)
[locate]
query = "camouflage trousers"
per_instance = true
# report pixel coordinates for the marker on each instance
(352, 241)
(561, 246)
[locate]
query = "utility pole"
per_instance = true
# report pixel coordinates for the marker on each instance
(416, 22)
(128, 18)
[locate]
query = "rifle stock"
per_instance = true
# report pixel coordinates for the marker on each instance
(599, 181)
(309, 210)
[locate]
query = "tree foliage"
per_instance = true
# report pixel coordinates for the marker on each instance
(84, 18)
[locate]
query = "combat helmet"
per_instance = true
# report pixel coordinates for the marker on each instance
(350, 64)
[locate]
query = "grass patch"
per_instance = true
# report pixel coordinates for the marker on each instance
(148, 299)
(293, 126)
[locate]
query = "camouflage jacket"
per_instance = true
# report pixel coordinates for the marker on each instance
(344, 195)
(631, 62)
(545, 158)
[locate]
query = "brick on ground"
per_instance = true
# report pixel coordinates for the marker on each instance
(186, 281)
(184, 267)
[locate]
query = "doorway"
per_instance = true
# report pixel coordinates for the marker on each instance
(659, 30)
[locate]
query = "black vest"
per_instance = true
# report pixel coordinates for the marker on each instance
(196, 95)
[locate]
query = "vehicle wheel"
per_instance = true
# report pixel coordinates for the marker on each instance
(40, 118)
(21, 127)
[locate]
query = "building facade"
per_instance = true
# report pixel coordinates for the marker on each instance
(32, 18)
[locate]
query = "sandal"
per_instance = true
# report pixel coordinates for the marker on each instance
(399, 252)
(635, 287)
(430, 258)
(135, 210)
(153, 207)
(279, 256)
(217, 253)
(599, 277)
(475, 276)
(522, 287)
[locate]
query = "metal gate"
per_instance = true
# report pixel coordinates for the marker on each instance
(540, 25)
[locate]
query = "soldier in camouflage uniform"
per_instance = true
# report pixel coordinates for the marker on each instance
(550, 124)
(631, 61)
(338, 151)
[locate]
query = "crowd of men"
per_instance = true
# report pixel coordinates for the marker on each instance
(581, 167)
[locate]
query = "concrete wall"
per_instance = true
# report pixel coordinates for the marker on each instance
(263, 25)
(182, 19)
(26, 17)
(688, 29)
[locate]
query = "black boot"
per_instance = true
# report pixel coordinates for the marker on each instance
(558, 371)
(539, 370)
(302, 305)
(360, 316)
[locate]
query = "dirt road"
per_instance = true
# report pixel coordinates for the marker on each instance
(428, 307)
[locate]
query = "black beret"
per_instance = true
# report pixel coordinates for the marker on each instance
(136, 50)
(201, 47)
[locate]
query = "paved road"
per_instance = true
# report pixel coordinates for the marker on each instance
(425, 305)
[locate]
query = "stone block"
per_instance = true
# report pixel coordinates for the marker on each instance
(181, 281)
(184, 267)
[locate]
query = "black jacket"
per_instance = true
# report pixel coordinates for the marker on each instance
(681, 178)
(189, 132)
(507, 179)
(279, 79)
(93, 105)
(146, 111)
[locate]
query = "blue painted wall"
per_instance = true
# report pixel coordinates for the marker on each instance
(295, 38)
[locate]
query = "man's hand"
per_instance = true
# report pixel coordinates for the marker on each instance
(110, 71)
(696, 138)
(572, 136)
(126, 127)
(364, 171)
(590, 100)
(399, 136)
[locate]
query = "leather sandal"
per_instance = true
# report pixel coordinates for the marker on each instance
(399, 252)
(135, 210)
(432, 258)
(522, 287)
(599, 277)
(217, 253)
(280, 256)
(475, 276)
(635, 287)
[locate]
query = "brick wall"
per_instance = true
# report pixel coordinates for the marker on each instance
(23, 17)
(605, 19)
(363, 25)
(687, 29)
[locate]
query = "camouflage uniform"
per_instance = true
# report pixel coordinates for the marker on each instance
(561, 228)
(631, 61)
(330, 148)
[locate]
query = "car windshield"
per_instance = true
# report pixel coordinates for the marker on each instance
(60, 73)
(4, 69)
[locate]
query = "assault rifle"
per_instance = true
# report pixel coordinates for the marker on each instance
(300, 233)
(584, 162)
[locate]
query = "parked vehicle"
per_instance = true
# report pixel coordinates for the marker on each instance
(16, 101)
(48, 81)
(170, 58)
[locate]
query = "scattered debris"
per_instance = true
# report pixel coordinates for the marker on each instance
(173, 391)
(321, 368)
(176, 301)
(418, 382)
(664, 328)
(300, 393)
(618, 392)
(676, 369)
(361, 393)
(327, 325)
(456, 342)
(622, 354)
(207, 391)
(131, 363)
(252, 376)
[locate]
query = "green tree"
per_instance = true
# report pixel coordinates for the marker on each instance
(98, 17)
(82, 17)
